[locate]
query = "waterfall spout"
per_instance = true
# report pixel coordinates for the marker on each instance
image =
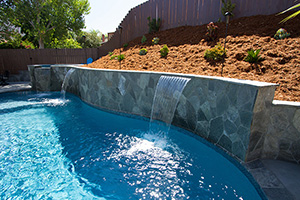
(65, 83)
(167, 94)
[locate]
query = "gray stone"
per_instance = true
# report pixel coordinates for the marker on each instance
(246, 118)
(296, 120)
(239, 150)
(216, 129)
(202, 129)
(229, 127)
(222, 104)
(226, 143)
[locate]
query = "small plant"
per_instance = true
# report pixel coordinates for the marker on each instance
(110, 53)
(154, 25)
(125, 45)
(113, 57)
(143, 52)
(144, 39)
(281, 34)
(155, 40)
(216, 53)
(212, 31)
(253, 56)
(164, 51)
(120, 57)
(227, 7)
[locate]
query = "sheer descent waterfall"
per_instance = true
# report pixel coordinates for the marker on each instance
(65, 83)
(167, 94)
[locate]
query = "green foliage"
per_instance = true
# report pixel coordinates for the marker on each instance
(216, 53)
(281, 34)
(68, 43)
(155, 40)
(153, 24)
(44, 20)
(143, 51)
(292, 15)
(125, 45)
(212, 31)
(253, 56)
(113, 57)
(27, 45)
(227, 7)
(164, 51)
(91, 39)
(144, 39)
(120, 57)
(110, 53)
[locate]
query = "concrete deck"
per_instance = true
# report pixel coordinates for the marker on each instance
(279, 180)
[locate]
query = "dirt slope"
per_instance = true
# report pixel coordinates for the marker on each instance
(188, 44)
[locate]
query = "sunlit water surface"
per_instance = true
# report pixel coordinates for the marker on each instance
(56, 149)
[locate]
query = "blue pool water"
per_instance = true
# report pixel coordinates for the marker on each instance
(51, 149)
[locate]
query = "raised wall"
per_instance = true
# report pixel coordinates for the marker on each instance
(236, 115)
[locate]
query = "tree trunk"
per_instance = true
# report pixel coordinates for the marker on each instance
(41, 43)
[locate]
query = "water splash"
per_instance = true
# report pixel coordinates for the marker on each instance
(65, 83)
(167, 94)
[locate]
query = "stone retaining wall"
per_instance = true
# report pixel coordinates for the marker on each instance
(236, 115)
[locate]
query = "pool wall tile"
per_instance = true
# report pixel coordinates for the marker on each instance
(237, 115)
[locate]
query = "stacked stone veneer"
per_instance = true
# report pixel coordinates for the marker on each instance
(236, 115)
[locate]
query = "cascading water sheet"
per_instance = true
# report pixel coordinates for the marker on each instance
(65, 83)
(167, 94)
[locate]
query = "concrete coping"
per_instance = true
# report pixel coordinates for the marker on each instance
(232, 80)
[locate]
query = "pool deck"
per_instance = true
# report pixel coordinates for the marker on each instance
(279, 180)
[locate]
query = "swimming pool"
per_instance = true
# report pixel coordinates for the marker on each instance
(55, 149)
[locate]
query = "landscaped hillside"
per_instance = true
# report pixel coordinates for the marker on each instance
(187, 46)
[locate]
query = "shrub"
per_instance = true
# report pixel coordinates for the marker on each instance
(120, 57)
(144, 39)
(281, 34)
(125, 45)
(253, 56)
(154, 25)
(143, 51)
(227, 7)
(164, 51)
(112, 57)
(216, 53)
(155, 40)
(212, 31)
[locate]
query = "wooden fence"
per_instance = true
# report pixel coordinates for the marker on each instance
(15, 60)
(173, 13)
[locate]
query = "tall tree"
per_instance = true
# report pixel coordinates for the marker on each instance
(44, 19)
(91, 39)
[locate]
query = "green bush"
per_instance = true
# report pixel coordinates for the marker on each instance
(125, 45)
(113, 57)
(253, 56)
(143, 51)
(120, 57)
(154, 25)
(164, 51)
(227, 7)
(144, 39)
(155, 40)
(216, 53)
